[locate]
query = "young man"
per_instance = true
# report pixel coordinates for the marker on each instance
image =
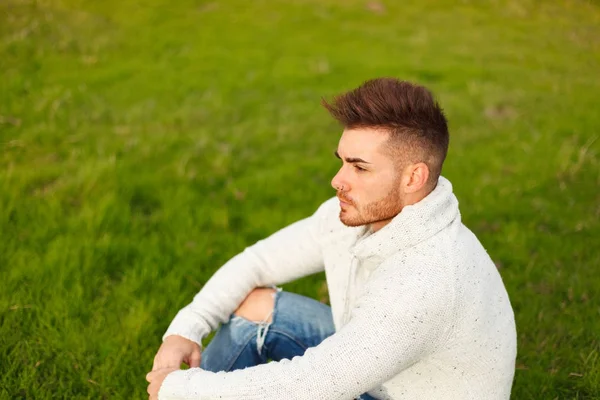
(418, 309)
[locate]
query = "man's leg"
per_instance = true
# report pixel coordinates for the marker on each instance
(268, 325)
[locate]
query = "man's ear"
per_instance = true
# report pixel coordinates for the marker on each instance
(415, 177)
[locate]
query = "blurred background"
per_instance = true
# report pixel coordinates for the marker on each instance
(144, 143)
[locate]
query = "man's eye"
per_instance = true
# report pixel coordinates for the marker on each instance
(359, 169)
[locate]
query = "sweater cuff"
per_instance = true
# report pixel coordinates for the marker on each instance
(189, 328)
(173, 386)
(176, 386)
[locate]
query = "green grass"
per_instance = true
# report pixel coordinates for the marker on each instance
(143, 144)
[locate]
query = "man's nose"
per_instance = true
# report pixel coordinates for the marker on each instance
(338, 182)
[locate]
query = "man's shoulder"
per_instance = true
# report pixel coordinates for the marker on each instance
(328, 214)
(330, 205)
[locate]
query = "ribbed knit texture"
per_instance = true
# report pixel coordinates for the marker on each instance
(419, 308)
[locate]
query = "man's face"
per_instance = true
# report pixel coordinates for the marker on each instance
(367, 184)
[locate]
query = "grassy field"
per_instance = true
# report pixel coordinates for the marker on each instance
(142, 144)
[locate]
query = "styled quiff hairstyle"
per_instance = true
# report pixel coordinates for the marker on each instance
(416, 123)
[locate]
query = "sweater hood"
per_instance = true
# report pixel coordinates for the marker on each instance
(413, 225)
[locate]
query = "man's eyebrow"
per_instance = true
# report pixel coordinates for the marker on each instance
(351, 160)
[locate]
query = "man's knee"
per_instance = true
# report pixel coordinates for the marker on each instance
(258, 305)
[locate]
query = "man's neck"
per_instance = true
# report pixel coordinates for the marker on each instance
(375, 226)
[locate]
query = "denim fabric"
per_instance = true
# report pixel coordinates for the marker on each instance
(298, 323)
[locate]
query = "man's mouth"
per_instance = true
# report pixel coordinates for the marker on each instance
(344, 200)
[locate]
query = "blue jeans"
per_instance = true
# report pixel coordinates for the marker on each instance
(298, 323)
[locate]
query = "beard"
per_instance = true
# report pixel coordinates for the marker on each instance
(376, 211)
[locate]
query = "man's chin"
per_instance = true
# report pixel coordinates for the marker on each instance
(346, 220)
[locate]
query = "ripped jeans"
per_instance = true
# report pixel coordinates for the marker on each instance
(298, 323)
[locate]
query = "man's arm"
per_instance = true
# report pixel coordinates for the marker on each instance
(398, 319)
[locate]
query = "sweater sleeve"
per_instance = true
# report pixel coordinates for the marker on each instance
(291, 253)
(400, 317)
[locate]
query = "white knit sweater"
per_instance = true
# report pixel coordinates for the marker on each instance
(419, 308)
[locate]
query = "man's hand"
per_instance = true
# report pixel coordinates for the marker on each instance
(175, 350)
(156, 379)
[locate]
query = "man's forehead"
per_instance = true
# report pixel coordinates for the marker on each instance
(362, 142)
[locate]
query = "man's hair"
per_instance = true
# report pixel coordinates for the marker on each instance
(416, 123)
